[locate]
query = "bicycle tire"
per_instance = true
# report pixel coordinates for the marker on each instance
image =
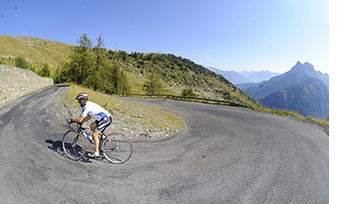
(74, 145)
(117, 148)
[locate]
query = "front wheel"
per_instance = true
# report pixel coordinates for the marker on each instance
(73, 145)
(117, 148)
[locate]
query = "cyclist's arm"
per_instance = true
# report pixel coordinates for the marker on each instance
(79, 120)
(87, 118)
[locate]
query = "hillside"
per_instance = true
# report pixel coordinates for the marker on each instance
(310, 98)
(176, 73)
(35, 50)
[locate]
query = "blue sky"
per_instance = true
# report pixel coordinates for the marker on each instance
(227, 34)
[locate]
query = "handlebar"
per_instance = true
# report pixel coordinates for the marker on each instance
(78, 126)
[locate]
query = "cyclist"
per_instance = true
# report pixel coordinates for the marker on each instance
(103, 119)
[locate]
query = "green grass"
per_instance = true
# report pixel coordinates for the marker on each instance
(291, 113)
(36, 51)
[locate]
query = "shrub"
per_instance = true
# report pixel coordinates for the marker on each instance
(21, 62)
(188, 93)
(45, 72)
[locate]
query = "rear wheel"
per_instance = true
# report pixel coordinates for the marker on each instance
(117, 148)
(73, 145)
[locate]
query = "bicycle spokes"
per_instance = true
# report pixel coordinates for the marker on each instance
(117, 148)
(73, 145)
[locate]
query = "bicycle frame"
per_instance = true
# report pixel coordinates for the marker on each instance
(82, 131)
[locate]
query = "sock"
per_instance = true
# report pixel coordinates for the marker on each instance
(96, 153)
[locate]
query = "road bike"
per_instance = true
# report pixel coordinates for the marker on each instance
(116, 147)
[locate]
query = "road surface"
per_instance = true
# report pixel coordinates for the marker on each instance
(226, 155)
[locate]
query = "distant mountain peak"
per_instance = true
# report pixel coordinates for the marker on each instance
(308, 67)
(303, 68)
(297, 68)
(307, 64)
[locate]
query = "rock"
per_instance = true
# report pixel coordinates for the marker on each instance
(125, 129)
(16, 82)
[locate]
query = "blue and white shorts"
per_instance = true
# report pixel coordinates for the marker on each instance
(103, 123)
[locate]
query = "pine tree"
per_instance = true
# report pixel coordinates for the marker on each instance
(153, 84)
(81, 60)
(100, 62)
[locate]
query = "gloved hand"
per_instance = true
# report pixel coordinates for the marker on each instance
(69, 120)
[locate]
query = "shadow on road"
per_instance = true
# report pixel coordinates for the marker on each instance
(61, 85)
(56, 146)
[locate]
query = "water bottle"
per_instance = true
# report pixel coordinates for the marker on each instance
(91, 138)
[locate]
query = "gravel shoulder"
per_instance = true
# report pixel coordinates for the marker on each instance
(138, 122)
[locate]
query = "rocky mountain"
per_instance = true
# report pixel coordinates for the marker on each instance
(302, 89)
(297, 74)
(308, 69)
(310, 98)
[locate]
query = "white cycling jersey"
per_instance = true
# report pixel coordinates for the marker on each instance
(95, 111)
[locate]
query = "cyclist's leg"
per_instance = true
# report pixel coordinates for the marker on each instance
(95, 139)
(94, 125)
(95, 135)
(99, 127)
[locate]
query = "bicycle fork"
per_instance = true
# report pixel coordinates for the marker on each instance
(75, 140)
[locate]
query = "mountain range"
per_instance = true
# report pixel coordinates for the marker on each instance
(301, 89)
(244, 76)
(309, 98)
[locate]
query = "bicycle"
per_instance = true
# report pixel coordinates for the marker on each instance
(116, 147)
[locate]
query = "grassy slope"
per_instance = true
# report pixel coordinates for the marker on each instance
(35, 50)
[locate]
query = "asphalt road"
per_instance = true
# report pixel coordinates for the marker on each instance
(226, 155)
